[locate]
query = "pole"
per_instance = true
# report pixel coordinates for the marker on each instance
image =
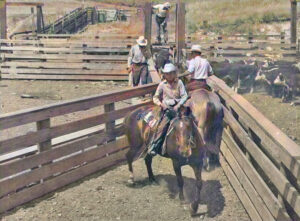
(293, 21)
(180, 30)
(3, 26)
(148, 21)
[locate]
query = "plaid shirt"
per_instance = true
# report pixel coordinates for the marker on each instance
(170, 93)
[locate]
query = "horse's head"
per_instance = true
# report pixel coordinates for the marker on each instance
(183, 131)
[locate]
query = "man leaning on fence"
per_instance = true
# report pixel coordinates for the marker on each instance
(138, 63)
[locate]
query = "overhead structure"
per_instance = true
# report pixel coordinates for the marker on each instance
(3, 17)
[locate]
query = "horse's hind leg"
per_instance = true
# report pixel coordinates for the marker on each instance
(130, 157)
(194, 205)
(177, 169)
(148, 162)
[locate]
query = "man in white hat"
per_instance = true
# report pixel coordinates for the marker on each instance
(138, 62)
(161, 18)
(199, 70)
(170, 95)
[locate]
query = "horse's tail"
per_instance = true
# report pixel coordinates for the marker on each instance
(211, 112)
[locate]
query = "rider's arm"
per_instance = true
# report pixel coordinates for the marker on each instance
(210, 70)
(131, 54)
(191, 67)
(183, 94)
(157, 95)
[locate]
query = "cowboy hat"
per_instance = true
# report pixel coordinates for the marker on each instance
(196, 48)
(168, 68)
(142, 41)
(167, 4)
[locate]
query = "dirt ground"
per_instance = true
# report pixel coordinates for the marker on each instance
(107, 196)
(283, 115)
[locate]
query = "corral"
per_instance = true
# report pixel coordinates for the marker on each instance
(66, 141)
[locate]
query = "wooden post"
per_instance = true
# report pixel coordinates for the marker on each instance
(38, 19)
(180, 30)
(148, 21)
(109, 126)
(3, 31)
(45, 145)
(282, 39)
(33, 22)
(293, 21)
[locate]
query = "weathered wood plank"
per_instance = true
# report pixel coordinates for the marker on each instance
(52, 110)
(39, 190)
(65, 50)
(239, 190)
(11, 185)
(62, 65)
(66, 57)
(65, 77)
(73, 72)
(57, 151)
(286, 190)
(269, 134)
(33, 138)
(262, 189)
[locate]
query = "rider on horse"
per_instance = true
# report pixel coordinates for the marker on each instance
(170, 95)
(199, 70)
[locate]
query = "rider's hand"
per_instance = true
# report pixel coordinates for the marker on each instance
(129, 69)
(177, 107)
(164, 106)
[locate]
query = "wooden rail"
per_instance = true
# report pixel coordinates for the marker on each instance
(46, 59)
(259, 160)
(70, 159)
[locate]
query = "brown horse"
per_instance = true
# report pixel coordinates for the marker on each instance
(183, 145)
(208, 113)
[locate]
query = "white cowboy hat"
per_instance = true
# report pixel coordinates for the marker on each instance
(196, 48)
(167, 4)
(142, 41)
(169, 68)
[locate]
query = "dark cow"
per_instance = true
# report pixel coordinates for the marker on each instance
(162, 57)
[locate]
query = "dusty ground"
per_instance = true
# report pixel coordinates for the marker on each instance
(107, 196)
(283, 115)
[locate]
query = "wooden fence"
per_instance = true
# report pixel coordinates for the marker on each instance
(261, 162)
(61, 59)
(237, 47)
(56, 164)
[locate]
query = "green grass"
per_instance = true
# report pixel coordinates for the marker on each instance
(234, 15)
(226, 16)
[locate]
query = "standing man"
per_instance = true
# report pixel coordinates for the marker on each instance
(138, 62)
(161, 18)
(199, 70)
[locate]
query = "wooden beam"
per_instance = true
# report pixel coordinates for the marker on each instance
(39, 19)
(24, 4)
(3, 31)
(180, 30)
(148, 21)
(293, 21)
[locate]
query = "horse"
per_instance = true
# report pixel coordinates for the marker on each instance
(183, 145)
(208, 113)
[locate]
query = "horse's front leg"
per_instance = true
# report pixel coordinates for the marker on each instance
(194, 205)
(177, 169)
(148, 161)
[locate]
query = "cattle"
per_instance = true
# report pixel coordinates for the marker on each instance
(162, 57)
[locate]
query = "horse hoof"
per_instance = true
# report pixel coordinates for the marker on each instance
(130, 181)
(193, 209)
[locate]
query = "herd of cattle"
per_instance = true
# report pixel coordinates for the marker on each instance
(277, 78)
